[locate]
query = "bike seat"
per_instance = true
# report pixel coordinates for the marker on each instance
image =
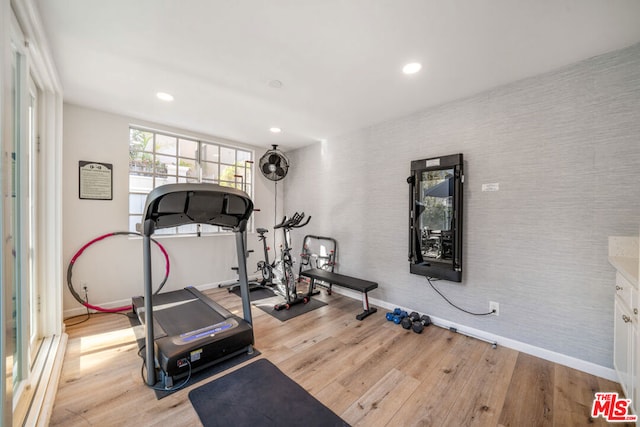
(262, 230)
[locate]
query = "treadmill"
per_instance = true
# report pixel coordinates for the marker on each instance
(185, 331)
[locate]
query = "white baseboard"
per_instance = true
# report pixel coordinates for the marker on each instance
(562, 359)
(79, 311)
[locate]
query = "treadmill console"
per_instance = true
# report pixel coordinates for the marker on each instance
(206, 332)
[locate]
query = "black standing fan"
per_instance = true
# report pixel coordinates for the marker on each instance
(274, 165)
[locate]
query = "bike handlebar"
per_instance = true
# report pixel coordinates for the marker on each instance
(282, 223)
(293, 222)
(305, 223)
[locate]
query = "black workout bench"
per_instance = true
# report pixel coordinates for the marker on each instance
(363, 286)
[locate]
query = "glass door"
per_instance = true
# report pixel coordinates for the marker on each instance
(21, 224)
(31, 277)
(14, 224)
(31, 329)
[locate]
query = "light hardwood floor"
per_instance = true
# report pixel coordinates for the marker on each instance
(371, 373)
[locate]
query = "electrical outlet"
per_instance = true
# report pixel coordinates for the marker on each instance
(494, 307)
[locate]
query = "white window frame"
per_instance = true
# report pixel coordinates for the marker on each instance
(209, 162)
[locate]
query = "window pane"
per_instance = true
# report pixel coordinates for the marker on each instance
(140, 140)
(243, 156)
(165, 165)
(227, 173)
(140, 163)
(136, 203)
(227, 155)
(162, 180)
(188, 229)
(209, 171)
(244, 165)
(166, 145)
(188, 148)
(187, 167)
(140, 147)
(184, 179)
(133, 220)
(170, 230)
(140, 183)
(209, 153)
(206, 228)
(245, 173)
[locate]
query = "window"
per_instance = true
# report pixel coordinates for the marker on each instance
(158, 158)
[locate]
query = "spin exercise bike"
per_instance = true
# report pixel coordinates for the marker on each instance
(264, 267)
(279, 275)
(285, 280)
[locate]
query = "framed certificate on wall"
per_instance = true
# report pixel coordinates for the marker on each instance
(95, 180)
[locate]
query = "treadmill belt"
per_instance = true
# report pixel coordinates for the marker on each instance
(180, 312)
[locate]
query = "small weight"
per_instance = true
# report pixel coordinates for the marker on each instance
(418, 326)
(408, 321)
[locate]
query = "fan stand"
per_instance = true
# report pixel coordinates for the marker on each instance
(275, 213)
(274, 165)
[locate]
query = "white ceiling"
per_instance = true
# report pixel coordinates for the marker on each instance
(339, 60)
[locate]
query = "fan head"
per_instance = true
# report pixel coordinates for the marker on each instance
(274, 165)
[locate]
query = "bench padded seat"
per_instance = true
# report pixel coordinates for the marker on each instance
(349, 282)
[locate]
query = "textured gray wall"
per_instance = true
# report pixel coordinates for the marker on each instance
(565, 148)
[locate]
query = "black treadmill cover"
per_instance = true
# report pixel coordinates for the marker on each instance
(178, 204)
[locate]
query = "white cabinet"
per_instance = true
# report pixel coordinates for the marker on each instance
(624, 255)
(625, 331)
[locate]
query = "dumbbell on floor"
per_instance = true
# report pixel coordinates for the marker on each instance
(397, 319)
(408, 321)
(419, 325)
(390, 315)
(396, 316)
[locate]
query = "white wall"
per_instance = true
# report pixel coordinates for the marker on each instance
(565, 149)
(112, 269)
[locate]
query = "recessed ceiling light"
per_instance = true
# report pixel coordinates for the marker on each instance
(412, 68)
(165, 96)
(276, 84)
(275, 130)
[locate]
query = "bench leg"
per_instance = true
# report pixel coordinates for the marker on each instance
(365, 305)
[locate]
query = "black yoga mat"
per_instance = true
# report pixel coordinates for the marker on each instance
(259, 394)
(267, 305)
(256, 293)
